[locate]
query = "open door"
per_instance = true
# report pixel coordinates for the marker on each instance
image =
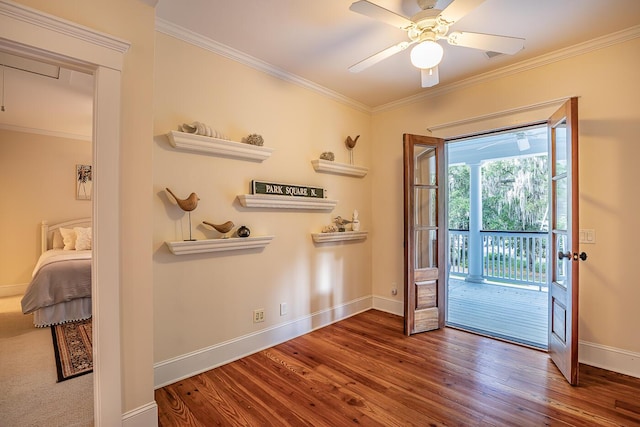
(424, 233)
(563, 289)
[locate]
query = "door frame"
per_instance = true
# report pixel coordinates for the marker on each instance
(29, 32)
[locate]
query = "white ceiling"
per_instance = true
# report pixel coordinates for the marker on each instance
(315, 41)
(46, 99)
(318, 40)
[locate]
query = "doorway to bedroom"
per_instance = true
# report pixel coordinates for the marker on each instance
(45, 133)
(498, 210)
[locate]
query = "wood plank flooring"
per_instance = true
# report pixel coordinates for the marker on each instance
(364, 371)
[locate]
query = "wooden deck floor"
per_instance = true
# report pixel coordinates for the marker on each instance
(510, 313)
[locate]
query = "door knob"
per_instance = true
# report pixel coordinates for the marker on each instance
(562, 255)
(575, 256)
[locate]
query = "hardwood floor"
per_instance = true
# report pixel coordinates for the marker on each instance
(364, 371)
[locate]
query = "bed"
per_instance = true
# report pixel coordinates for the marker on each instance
(60, 287)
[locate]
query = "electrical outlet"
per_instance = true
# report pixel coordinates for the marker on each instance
(258, 315)
(283, 309)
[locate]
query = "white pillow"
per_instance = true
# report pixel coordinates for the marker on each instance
(69, 238)
(83, 238)
(57, 242)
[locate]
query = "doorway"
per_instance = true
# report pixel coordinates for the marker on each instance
(498, 209)
(46, 127)
(28, 32)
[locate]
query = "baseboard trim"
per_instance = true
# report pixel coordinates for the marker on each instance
(13, 290)
(190, 364)
(388, 305)
(143, 416)
(609, 358)
(187, 365)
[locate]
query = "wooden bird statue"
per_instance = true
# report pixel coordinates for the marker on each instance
(188, 204)
(222, 228)
(341, 223)
(351, 143)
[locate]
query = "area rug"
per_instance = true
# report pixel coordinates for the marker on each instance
(73, 349)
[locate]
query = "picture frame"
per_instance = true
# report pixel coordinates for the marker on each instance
(84, 183)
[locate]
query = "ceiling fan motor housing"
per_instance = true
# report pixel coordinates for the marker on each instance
(427, 26)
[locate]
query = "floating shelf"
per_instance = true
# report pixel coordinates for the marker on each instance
(218, 147)
(218, 245)
(285, 202)
(339, 236)
(338, 168)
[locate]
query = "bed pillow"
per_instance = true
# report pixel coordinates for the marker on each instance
(83, 238)
(56, 241)
(68, 238)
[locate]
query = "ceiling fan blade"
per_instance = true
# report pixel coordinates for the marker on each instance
(488, 42)
(429, 76)
(375, 58)
(374, 11)
(457, 9)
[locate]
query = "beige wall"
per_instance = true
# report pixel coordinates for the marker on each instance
(133, 21)
(202, 300)
(38, 183)
(609, 109)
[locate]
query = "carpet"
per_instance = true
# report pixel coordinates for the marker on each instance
(73, 347)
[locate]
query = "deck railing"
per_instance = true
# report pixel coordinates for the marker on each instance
(507, 256)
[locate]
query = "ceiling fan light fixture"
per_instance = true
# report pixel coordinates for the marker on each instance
(427, 54)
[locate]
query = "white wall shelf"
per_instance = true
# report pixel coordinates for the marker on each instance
(285, 202)
(339, 236)
(339, 168)
(218, 147)
(218, 245)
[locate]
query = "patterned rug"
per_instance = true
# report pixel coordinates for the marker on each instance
(73, 349)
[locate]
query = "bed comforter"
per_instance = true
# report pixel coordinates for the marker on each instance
(59, 276)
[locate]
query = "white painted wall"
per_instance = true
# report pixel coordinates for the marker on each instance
(204, 300)
(38, 179)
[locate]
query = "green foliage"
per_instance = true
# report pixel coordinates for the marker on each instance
(459, 197)
(514, 195)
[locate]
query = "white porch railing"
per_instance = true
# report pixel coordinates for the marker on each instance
(510, 257)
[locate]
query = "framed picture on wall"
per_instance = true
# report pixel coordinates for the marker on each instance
(83, 182)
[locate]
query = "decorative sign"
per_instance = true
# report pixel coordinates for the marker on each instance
(272, 188)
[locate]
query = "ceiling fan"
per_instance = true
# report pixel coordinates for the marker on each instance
(427, 27)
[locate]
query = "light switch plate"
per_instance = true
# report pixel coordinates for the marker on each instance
(587, 235)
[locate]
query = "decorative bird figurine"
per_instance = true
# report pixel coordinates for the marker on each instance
(351, 143)
(341, 223)
(222, 228)
(188, 204)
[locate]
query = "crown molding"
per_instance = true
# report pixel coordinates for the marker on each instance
(37, 131)
(195, 39)
(558, 55)
(62, 26)
(188, 36)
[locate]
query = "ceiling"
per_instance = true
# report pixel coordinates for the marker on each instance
(318, 40)
(44, 98)
(313, 43)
